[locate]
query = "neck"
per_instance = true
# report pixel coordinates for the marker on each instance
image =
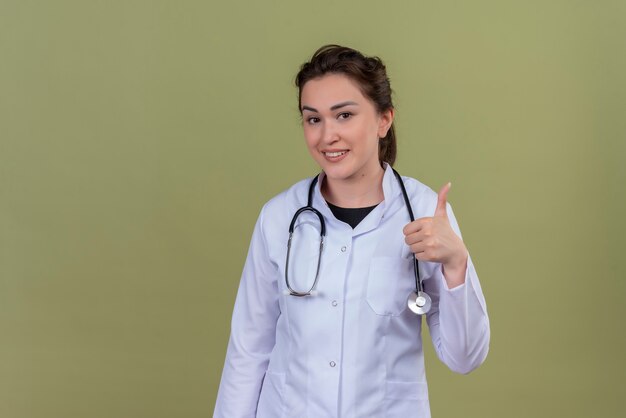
(363, 190)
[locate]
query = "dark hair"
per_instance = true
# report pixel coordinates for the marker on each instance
(370, 75)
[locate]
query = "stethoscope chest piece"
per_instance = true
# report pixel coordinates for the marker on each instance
(419, 302)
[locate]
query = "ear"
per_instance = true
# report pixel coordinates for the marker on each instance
(384, 122)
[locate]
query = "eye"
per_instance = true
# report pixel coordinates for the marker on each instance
(312, 120)
(344, 115)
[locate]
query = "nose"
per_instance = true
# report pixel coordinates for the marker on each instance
(330, 133)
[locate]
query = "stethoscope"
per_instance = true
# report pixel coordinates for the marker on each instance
(419, 302)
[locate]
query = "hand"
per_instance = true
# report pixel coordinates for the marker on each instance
(433, 239)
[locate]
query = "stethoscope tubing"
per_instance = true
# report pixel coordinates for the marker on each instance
(308, 208)
(419, 302)
(407, 203)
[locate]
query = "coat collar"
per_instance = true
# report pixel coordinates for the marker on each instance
(391, 192)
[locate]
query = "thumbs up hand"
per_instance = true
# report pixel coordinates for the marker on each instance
(433, 239)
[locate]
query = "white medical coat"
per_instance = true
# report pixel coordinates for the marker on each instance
(354, 349)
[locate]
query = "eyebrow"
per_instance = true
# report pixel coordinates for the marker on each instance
(333, 107)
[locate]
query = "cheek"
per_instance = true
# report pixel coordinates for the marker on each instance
(370, 137)
(310, 136)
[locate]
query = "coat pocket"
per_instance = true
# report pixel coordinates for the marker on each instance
(405, 399)
(389, 283)
(271, 403)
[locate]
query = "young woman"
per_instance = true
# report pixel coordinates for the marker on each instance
(329, 325)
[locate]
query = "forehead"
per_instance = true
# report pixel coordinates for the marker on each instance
(330, 89)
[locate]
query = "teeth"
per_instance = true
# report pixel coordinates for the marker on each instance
(334, 154)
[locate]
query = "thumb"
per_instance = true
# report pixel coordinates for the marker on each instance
(441, 200)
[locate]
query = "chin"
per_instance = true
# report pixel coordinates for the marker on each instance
(338, 173)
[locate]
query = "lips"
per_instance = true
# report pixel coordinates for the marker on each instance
(335, 155)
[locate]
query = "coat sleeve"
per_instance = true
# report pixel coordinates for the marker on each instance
(253, 332)
(458, 320)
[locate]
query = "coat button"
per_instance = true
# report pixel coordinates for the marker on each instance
(332, 364)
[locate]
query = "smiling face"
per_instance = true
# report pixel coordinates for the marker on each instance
(342, 127)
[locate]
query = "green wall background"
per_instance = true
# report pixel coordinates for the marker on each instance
(139, 139)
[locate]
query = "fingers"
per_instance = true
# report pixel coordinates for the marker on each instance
(424, 251)
(418, 236)
(426, 241)
(442, 198)
(416, 226)
(428, 249)
(432, 238)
